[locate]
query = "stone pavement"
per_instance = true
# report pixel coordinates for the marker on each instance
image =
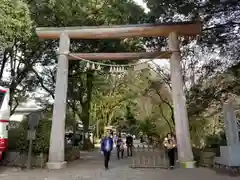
(92, 169)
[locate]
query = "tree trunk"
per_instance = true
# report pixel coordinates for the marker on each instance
(3, 64)
(97, 130)
(86, 114)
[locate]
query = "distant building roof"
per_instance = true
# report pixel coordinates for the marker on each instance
(21, 112)
(27, 110)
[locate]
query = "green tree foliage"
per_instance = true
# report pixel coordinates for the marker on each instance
(30, 59)
(15, 23)
(15, 28)
(82, 13)
(131, 100)
(114, 96)
(214, 53)
(219, 39)
(220, 18)
(18, 137)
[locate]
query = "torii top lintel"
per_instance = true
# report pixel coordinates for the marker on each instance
(122, 31)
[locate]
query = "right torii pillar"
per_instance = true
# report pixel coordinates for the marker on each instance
(185, 155)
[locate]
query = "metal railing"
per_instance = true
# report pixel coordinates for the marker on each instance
(146, 156)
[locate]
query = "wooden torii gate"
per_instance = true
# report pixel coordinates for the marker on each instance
(169, 30)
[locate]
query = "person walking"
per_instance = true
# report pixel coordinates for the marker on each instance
(106, 148)
(141, 139)
(120, 147)
(129, 143)
(170, 145)
(115, 138)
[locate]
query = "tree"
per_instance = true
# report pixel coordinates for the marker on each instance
(15, 27)
(85, 13)
(219, 17)
(115, 96)
(15, 23)
(216, 49)
(214, 52)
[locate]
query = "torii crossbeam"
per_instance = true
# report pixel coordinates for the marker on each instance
(171, 30)
(122, 31)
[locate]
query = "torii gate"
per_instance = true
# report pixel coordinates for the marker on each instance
(171, 30)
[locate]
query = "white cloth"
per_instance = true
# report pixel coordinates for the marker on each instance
(107, 147)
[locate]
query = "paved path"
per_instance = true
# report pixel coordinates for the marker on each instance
(92, 169)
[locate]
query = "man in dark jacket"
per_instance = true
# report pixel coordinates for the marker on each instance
(129, 143)
(106, 148)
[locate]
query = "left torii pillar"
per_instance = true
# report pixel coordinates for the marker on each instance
(56, 158)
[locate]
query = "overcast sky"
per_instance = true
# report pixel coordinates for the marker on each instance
(143, 4)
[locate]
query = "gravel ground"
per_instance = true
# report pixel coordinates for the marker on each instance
(92, 169)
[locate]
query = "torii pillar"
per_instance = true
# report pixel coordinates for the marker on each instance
(56, 156)
(185, 155)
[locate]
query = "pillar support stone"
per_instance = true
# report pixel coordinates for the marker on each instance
(56, 159)
(185, 155)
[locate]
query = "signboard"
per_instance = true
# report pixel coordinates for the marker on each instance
(33, 120)
(230, 124)
(31, 135)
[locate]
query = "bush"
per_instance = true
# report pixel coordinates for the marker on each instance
(197, 155)
(213, 141)
(41, 144)
(13, 138)
(18, 137)
(18, 140)
(72, 153)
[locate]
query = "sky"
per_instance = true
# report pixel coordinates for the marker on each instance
(143, 4)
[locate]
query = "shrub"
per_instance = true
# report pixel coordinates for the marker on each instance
(197, 155)
(18, 137)
(213, 141)
(13, 138)
(41, 144)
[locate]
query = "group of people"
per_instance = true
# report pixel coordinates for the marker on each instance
(107, 144)
(120, 145)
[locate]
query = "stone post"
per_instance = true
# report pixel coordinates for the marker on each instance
(230, 124)
(56, 158)
(185, 155)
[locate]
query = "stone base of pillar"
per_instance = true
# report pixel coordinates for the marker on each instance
(188, 165)
(56, 165)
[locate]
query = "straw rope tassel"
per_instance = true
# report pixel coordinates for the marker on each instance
(93, 66)
(99, 68)
(88, 65)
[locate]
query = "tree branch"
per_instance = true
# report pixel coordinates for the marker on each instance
(42, 83)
